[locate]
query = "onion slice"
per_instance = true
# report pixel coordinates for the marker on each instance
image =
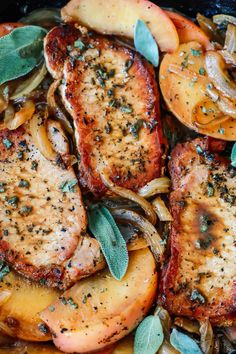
(228, 57)
(149, 231)
(14, 120)
(55, 108)
(230, 39)
(27, 86)
(39, 134)
(207, 337)
(128, 194)
(224, 104)
(222, 19)
(156, 186)
(161, 210)
(187, 74)
(217, 72)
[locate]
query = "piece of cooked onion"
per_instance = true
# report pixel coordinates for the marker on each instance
(230, 39)
(128, 194)
(56, 109)
(209, 27)
(4, 98)
(207, 114)
(156, 186)
(166, 348)
(137, 243)
(217, 72)
(228, 57)
(188, 325)
(207, 337)
(161, 210)
(222, 19)
(13, 119)
(39, 134)
(28, 85)
(224, 104)
(149, 231)
(188, 74)
(4, 296)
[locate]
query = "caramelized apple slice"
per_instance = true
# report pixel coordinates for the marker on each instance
(100, 310)
(184, 85)
(119, 17)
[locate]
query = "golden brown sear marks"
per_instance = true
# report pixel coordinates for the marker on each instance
(199, 280)
(42, 215)
(113, 98)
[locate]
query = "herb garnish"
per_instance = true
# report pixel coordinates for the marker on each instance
(23, 183)
(195, 52)
(128, 64)
(135, 128)
(103, 227)
(202, 71)
(7, 143)
(68, 186)
(197, 296)
(145, 43)
(21, 52)
(205, 222)
(149, 336)
(26, 210)
(2, 187)
(233, 156)
(79, 44)
(183, 343)
(4, 270)
(13, 201)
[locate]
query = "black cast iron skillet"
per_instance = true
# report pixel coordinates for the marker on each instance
(12, 10)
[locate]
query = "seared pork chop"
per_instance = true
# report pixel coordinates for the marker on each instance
(42, 217)
(112, 95)
(199, 280)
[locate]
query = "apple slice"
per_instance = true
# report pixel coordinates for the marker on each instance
(188, 31)
(100, 310)
(184, 83)
(118, 17)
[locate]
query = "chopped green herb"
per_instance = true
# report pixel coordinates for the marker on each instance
(202, 71)
(205, 222)
(204, 110)
(23, 184)
(2, 187)
(5, 232)
(203, 243)
(68, 186)
(20, 155)
(221, 131)
(199, 149)
(26, 210)
(110, 93)
(34, 165)
(69, 48)
(114, 103)
(210, 86)
(13, 201)
(73, 304)
(210, 190)
(108, 128)
(135, 128)
(7, 143)
(4, 270)
(79, 44)
(195, 52)
(51, 308)
(195, 295)
(126, 109)
(42, 327)
(112, 73)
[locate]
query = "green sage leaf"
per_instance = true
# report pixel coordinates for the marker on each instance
(20, 52)
(233, 156)
(183, 343)
(145, 43)
(103, 227)
(149, 336)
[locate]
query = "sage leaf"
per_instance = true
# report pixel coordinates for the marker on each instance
(149, 336)
(145, 44)
(233, 156)
(103, 227)
(20, 52)
(183, 343)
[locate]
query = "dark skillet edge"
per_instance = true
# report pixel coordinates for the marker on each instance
(12, 10)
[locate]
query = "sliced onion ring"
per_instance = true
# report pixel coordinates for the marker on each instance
(39, 134)
(230, 39)
(14, 120)
(217, 72)
(55, 108)
(228, 57)
(222, 18)
(149, 231)
(156, 186)
(27, 86)
(207, 337)
(224, 104)
(161, 210)
(128, 194)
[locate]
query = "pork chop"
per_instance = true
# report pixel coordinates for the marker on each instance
(199, 280)
(42, 217)
(112, 95)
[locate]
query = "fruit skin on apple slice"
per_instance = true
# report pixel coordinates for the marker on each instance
(118, 17)
(182, 95)
(188, 31)
(99, 310)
